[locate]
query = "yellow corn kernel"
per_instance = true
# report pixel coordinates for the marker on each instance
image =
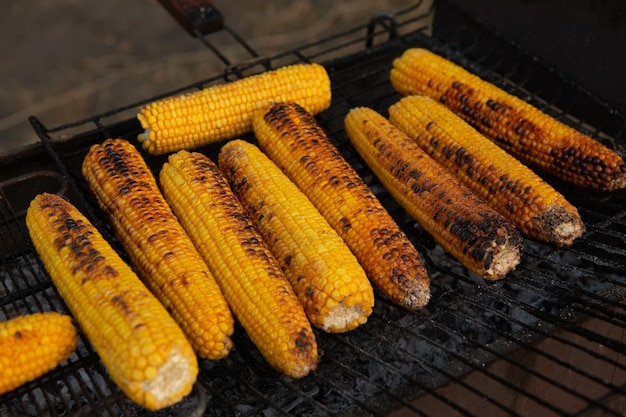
(32, 345)
(290, 136)
(465, 226)
(158, 246)
(224, 111)
(256, 289)
(121, 318)
(515, 125)
(537, 209)
(330, 283)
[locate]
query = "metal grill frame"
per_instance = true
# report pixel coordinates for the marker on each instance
(515, 347)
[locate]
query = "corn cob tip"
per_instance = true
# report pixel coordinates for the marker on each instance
(416, 297)
(343, 318)
(561, 226)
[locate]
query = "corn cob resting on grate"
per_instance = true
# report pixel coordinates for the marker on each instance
(145, 352)
(331, 285)
(158, 246)
(255, 287)
(32, 345)
(537, 209)
(291, 137)
(224, 111)
(465, 226)
(521, 129)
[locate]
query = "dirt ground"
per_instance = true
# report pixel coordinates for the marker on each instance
(65, 60)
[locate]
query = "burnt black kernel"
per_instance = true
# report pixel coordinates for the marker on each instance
(413, 173)
(478, 253)
(486, 121)
(488, 260)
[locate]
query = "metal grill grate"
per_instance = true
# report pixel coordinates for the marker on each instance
(547, 340)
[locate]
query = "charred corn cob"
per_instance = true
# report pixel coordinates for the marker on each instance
(32, 345)
(465, 226)
(518, 127)
(145, 352)
(225, 111)
(158, 246)
(537, 209)
(250, 277)
(330, 283)
(291, 137)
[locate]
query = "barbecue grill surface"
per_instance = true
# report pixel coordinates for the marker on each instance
(546, 340)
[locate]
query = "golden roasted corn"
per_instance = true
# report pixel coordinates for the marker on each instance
(466, 227)
(158, 246)
(535, 207)
(224, 111)
(255, 287)
(330, 283)
(521, 129)
(32, 345)
(290, 136)
(145, 352)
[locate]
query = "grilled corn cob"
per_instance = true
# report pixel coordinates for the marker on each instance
(142, 347)
(32, 345)
(537, 209)
(290, 136)
(465, 226)
(518, 127)
(250, 277)
(225, 111)
(158, 246)
(330, 283)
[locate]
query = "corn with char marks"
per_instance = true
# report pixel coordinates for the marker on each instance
(291, 137)
(250, 277)
(158, 246)
(145, 352)
(526, 132)
(32, 345)
(330, 283)
(533, 205)
(224, 111)
(465, 226)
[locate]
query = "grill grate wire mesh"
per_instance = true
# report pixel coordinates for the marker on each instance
(545, 341)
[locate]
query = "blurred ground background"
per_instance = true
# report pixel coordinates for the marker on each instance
(64, 60)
